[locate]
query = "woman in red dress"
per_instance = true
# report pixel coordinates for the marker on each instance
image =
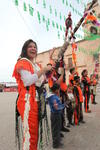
(27, 74)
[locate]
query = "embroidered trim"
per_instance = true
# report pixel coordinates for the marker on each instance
(26, 143)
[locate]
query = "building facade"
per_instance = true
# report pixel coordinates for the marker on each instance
(87, 53)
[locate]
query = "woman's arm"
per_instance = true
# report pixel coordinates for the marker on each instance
(29, 79)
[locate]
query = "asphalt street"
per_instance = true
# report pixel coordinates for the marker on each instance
(83, 137)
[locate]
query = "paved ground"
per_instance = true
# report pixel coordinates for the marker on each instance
(83, 137)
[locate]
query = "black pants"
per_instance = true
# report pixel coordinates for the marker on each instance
(63, 122)
(93, 96)
(69, 113)
(55, 127)
(77, 113)
(64, 98)
(81, 113)
(86, 100)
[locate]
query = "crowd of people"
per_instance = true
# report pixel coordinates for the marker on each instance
(78, 91)
(65, 100)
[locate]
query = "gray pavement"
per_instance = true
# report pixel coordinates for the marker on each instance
(83, 137)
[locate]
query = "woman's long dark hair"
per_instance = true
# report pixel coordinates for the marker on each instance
(24, 48)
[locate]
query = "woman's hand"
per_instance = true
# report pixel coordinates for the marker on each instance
(44, 70)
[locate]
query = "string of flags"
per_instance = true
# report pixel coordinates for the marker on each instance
(42, 18)
(89, 52)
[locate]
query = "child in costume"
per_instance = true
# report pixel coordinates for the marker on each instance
(93, 89)
(56, 108)
(86, 89)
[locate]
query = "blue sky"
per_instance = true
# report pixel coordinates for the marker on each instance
(17, 26)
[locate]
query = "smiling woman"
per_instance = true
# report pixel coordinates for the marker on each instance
(28, 75)
(31, 51)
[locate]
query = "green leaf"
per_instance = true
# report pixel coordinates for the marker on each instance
(70, 5)
(24, 6)
(37, 1)
(66, 3)
(44, 4)
(47, 27)
(63, 1)
(38, 15)
(16, 2)
(50, 8)
(64, 18)
(55, 12)
(63, 37)
(73, 8)
(43, 18)
(60, 27)
(48, 21)
(58, 35)
(31, 9)
(53, 23)
(78, 1)
(57, 26)
(60, 16)
(64, 29)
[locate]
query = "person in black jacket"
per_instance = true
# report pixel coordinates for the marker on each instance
(86, 89)
(78, 113)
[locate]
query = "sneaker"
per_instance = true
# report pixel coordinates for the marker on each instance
(65, 129)
(60, 145)
(72, 124)
(88, 111)
(94, 103)
(68, 125)
(82, 121)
